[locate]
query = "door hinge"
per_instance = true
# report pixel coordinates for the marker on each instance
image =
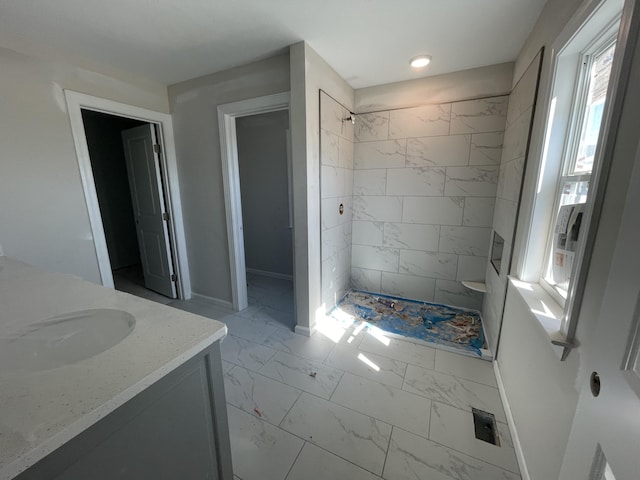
(173, 277)
(156, 148)
(165, 216)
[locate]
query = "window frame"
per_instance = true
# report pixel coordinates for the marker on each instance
(600, 43)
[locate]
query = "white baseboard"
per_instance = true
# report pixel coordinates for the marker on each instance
(524, 472)
(306, 331)
(264, 273)
(211, 300)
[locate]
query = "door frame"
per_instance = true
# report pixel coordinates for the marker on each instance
(76, 102)
(227, 114)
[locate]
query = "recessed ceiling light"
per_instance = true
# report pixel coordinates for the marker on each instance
(420, 61)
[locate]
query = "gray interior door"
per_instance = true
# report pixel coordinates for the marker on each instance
(143, 168)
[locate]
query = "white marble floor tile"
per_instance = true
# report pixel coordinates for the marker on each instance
(375, 367)
(245, 353)
(226, 366)
(252, 328)
(258, 395)
(389, 404)
(200, 307)
(454, 391)
(406, 352)
(314, 463)
(466, 367)
(260, 451)
(298, 372)
(414, 458)
(351, 435)
(316, 347)
(454, 428)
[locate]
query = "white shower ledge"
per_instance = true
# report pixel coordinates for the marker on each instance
(476, 286)
(42, 410)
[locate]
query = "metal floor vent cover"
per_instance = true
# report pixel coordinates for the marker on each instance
(485, 426)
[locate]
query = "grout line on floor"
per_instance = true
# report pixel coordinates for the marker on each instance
(295, 460)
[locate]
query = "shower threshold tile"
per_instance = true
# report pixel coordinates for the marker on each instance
(462, 366)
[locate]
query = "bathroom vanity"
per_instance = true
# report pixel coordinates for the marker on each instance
(98, 384)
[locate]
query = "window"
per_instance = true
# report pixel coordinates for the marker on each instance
(581, 139)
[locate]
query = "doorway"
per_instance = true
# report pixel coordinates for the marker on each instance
(120, 150)
(263, 166)
(227, 116)
(150, 167)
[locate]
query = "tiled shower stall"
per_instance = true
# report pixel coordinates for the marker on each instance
(418, 189)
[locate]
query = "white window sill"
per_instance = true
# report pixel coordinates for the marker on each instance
(544, 309)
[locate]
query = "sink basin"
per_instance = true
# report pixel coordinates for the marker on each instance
(64, 339)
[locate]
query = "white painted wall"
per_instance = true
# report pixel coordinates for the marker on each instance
(262, 157)
(309, 74)
(542, 391)
(43, 219)
(194, 110)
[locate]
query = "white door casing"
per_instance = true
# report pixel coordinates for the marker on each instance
(142, 155)
(227, 115)
(76, 102)
(605, 436)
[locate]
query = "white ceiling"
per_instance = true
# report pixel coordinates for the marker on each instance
(368, 42)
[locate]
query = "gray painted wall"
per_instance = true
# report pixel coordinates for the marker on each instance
(44, 219)
(309, 74)
(112, 185)
(262, 157)
(195, 123)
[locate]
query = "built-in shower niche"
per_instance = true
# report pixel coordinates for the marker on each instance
(497, 248)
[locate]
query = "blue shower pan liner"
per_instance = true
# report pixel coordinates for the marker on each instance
(441, 326)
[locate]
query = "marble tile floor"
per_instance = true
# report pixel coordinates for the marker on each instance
(344, 404)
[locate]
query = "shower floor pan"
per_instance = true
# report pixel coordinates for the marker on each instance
(440, 326)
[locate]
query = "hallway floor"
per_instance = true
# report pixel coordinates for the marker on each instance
(348, 404)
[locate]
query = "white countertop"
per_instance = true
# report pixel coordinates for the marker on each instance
(42, 410)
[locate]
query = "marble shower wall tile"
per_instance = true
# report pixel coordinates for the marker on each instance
(429, 264)
(368, 233)
(411, 236)
(416, 181)
(329, 148)
(478, 116)
(424, 193)
(371, 126)
(426, 121)
(375, 258)
(377, 208)
(478, 211)
(382, 154)
(465, 240)
(367, 280)
(511, 179)
(370, 182)
(439, 151)
(471, 268)
(336, 188)
(517, 136)
(454, 293)
(486, 148)
(408, 286)
(433, 210)
(472, 181)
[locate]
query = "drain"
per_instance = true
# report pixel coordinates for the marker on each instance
(485, 426)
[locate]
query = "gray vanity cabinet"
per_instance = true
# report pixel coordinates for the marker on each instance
(175, 429)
